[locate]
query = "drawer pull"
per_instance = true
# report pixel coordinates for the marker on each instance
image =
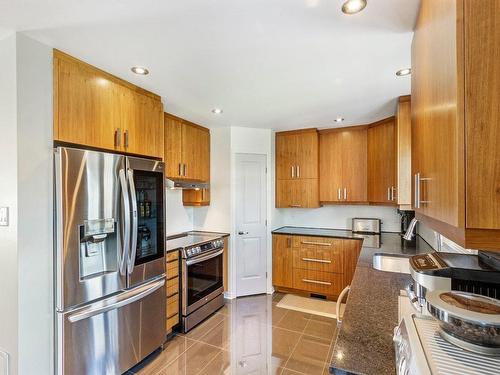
(316, 282)
(316, 243)
(316, 260)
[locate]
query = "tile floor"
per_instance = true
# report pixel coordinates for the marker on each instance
(248, 335)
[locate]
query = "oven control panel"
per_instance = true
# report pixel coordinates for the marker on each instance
(193, 251)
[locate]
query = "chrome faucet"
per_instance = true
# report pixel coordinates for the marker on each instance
(411, 228)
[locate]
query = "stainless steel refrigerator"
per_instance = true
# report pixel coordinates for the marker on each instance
(109, 260)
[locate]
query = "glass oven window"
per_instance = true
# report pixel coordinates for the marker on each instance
(203, 278)
(149, 193)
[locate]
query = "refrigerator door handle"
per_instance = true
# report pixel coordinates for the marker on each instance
(126, 221)
(114, 303)
(133, 243)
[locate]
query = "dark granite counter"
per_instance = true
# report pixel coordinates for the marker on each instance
(364, 339)
(192, 238)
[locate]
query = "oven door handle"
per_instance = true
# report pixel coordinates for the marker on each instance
(192, 261)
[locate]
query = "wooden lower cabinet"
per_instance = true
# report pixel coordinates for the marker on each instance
(172, 308)
(314, 265)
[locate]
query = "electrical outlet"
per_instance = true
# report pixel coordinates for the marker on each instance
(4, 216)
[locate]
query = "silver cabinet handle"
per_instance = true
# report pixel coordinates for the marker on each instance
(389, 194)
(296, 205)
(184, 172)
(316, 282)
(339, 301)
(345, 193)
(114, 303)
(316, 243)
(316, 260)
(393, 193)
(135, 224)
(125, 221)
(418, 181)
(338, 196)
(298, 171)
(125, 137)
(118, 136)
(293, 171)
(180, 169)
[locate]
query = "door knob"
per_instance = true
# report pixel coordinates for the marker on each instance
(242, 233)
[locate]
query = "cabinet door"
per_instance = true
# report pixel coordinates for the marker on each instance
(203, 140)
(354, 165)
(403, 128)
(285, 193)
(306, 193)
(145, 127)
(282, 261)
(330, 165)
(194, 154)
(192, 197)
(382, 163)
(173, 146)
(306, 154)
(286, 145)
(86, 106)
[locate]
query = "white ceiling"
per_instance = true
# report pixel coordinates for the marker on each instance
(278, 64)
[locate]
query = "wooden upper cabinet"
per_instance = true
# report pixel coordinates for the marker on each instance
(382, 186)
(297, 154)
(403, 153)
(297, 193)
(343, 165)
(187, 149)
(455, 105)
(96, 109)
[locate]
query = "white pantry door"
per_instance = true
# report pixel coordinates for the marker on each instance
(250, 211)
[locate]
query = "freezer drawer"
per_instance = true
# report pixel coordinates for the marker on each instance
(112, 335)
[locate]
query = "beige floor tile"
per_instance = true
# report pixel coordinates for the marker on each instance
(294, 321)
(278, 296)
(221, 364)
(283, 344)
(220, 335)
(287, 371)
(192, 361)
(323, 329)
(309, 356)
(277, 314)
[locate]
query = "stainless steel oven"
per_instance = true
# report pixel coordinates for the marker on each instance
(202, 282)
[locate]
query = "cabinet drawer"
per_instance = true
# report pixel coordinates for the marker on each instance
(317, 282)
(173, 255)
(172, 269)
(171, 322)
(306, 242)
(172, 286)
(328, 259)
(172, 305)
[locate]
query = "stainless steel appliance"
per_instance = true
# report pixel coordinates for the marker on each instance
(110, 289)
(202, 281)
(368, 229)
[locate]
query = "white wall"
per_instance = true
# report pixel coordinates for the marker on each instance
(8, 198)
(35, 210)
(179, 218)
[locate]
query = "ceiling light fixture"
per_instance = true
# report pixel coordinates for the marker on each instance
(139, 70)
(217, 111)
(353, 6)
(339, 119)
(403, 72)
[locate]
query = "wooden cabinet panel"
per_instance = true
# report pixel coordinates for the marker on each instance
(382, 162)
(192, 197)
(282, 261)
(320, 259)
(297, 193)
(350, 251)
(286, 145)
(403, 143)
(306, 154)
(173, 146)
(343, 165)
(325, 283)
(330, 164)
(93, 108)
(482, 114)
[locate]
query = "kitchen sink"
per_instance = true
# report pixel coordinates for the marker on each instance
(391, 263)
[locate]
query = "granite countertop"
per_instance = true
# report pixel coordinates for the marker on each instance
(364, 339)
(182, 240)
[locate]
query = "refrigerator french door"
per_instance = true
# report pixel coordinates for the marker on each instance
(109, 260)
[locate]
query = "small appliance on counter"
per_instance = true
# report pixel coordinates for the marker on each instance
(452, 271)
(368, 229)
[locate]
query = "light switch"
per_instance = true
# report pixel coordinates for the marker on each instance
(4, 216)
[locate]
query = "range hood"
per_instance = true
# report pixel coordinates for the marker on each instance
(186, 184)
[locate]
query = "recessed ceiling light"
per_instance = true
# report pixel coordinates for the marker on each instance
(403, 72)
(353, 6)
(339, 119)
(139, 70)
(217, 111)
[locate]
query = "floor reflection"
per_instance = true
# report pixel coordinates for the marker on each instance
(249, 335)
